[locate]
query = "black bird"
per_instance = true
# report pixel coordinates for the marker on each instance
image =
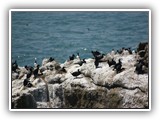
(27, 83)
(95, 53)
(35, 72)
(30, 71)
(62, 70)
(118, 66)
(96, 63)
(50, 59)
(81, 62)
(72, 57)
(110, 63)
(75, 74)
(14, 66)
(139, 67)
(129, 50)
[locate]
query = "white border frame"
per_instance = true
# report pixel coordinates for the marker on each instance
(45, 109)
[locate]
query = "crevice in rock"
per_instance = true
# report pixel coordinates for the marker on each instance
(47, 92)
(116, 86)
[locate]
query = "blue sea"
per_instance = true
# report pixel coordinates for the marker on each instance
(60, 34)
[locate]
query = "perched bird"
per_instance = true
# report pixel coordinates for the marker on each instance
(35, 72)
(30, 71)
(95, 53)
(27, 83)
(139, 67)
(50, 59)
(62, 70)
(118, 66)
(77, 73)
(110, 63)
(129, 50)
(81, 62)
(96, 63)
(72, 57)
(14, 66)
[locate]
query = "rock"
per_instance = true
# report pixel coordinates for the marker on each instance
(24, 101)
(98, 87)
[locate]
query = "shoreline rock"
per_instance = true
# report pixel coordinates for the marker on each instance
(98, 87)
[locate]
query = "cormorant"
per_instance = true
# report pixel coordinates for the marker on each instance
(118, 66)
(35, 72)
(50, 59)
(14, 66)
(75, 74)
(72, 57)
(81, 62)
(27, 83)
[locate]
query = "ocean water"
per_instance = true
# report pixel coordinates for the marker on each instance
(60, 34)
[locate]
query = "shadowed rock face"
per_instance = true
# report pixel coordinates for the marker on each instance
(98, 87)
(25, 100)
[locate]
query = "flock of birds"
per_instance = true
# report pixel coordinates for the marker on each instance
(37, 72)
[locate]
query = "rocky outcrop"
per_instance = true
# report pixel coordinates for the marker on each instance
(100, 87)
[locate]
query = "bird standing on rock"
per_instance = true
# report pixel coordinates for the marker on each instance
(50, 59)
(118, 66)
(95, 53)
(14, 66)
(77, 73)
(81, 62)
(27, 83)
(110, 63)
(35, 72)
(71, 57)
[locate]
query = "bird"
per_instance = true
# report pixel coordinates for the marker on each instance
(110, 63)
(95, 53)
(77, 73)
(27, 83)
(118, 66)
(50, 59)
(139, 67)
(81, 62)
(62, 70)
(35, 72)
(129, 50)
(14, 66)
(71, 57)
(96, 63)
(30, 71)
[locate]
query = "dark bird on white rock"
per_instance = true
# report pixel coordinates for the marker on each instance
(14, 66)
(62, 70)
(30, 71)
(81, 62)
(95, 53)
(77, 73)
(118, 66)
(50, 59)
(98, 59)
(35, 72)
(112, 62)
(72, 57)
(139, 67)
(96, 63)
(27, 83)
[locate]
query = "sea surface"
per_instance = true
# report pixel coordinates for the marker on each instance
(60, 34)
